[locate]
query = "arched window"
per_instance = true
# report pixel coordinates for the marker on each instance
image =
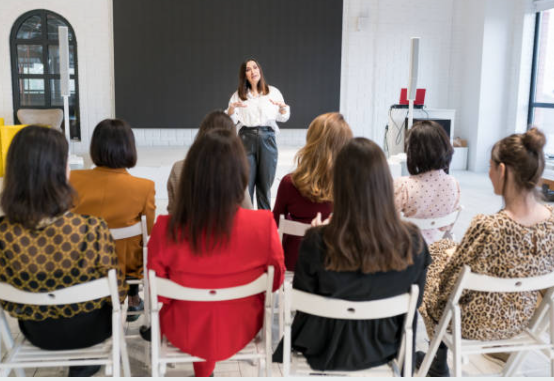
(36, 65)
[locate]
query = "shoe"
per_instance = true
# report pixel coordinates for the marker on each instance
(499, 358)
(145, 333)
(83, 371)
(140, 307)
(439, 366)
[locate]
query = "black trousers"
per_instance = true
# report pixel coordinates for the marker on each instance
(81, 331)
(261, 152)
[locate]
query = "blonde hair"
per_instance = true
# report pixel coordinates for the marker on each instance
(327, 134)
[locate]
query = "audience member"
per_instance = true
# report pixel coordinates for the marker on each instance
(215, 119)
(309, 189)
(210, 241)
(110, 192)
(366, 252)
(518, 241)
(429, 191)
(45, 247)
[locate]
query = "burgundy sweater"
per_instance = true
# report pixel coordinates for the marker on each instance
(296, 207)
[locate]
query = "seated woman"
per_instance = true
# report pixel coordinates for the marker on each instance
(45, 247)
(516, 242)
(215, 119)
(308, 190)
(366, 252)
(110, 192)
(210, 241)
(429, 191)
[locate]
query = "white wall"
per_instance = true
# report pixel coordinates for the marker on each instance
(471, 51)
(492, 54)
(91, 22)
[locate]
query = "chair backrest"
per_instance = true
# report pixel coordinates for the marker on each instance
(80, 293)
(345, 309)
(51, 117)
(131, 231)
(296, 300)
(289, 227)
(468, 280)
(169, 289)
(435, 223)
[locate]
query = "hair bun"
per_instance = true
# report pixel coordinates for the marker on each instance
(534, 140)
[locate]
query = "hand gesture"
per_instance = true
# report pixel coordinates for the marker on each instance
(317, 220)
(234, 105)
(282, 106)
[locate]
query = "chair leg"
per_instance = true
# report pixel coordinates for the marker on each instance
(457, 341)
(8, 341)
(125, 356)
(281, 309)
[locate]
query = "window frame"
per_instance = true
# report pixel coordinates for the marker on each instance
(46, 75)
(534, 73)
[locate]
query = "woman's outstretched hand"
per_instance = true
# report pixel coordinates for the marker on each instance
(282, 106)
(234, 105)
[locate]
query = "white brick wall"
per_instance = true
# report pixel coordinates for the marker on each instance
(91, 21)
(185, 137)
(375, 55)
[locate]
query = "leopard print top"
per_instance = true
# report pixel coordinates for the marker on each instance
(493, 245)
(69, 250)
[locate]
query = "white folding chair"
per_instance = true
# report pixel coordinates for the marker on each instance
(295, 300)
(528, 340)
(438, 222)
(21, 354)
(297, 229)
(164, 353)
(138, 229)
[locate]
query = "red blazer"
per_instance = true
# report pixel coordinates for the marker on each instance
(217, 330)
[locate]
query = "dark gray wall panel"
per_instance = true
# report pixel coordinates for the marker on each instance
(176, 60)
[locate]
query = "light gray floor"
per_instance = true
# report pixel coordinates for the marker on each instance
(155, 163)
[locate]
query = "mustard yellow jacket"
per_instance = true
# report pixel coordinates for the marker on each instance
(120, 199)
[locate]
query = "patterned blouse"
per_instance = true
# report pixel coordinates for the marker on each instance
(493, 245)
(427, 195)
(69, 250)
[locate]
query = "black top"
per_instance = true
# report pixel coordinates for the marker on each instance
(339, 344)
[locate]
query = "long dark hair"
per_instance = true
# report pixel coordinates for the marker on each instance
(365, 232)
(214, 120)
(244, 85)
(113, 144)
(35, 183)
(212, 186)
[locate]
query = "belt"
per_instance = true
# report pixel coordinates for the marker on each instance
(256, 128)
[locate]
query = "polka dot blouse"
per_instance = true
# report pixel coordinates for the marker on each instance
(427, 195)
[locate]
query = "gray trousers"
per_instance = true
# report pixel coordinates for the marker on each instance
(261, 152)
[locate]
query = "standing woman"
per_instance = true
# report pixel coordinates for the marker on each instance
(257, 107)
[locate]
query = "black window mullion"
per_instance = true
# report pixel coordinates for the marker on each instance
(534, 71)
(47, 90)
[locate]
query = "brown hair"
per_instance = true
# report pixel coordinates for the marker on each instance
(366, 232)
(327, 134)
(35, 183)
(216, 119)
(523, 153)
(113, 144)
(212, 186)
(244, 85)
(428, 148)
